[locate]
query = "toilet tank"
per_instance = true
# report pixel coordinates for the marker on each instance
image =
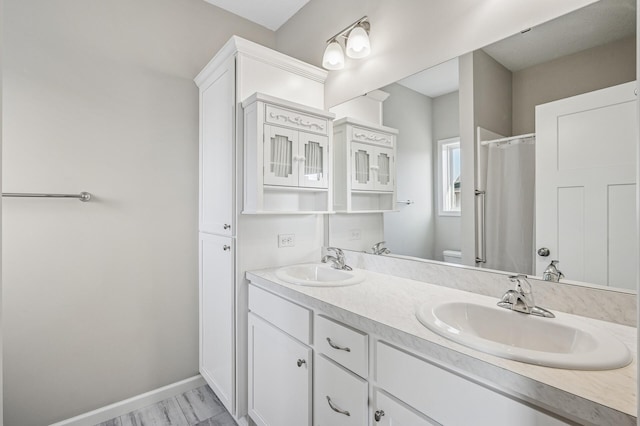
(452, 256)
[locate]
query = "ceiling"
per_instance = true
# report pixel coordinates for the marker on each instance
(268, 13)
(595, 25)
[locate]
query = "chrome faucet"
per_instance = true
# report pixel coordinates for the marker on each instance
(552, 273)
(379, 248)
(521, 300)
(337, 261)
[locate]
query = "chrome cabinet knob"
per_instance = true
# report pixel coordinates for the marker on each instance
(301, 362)
(226, 247)
(227, 226)
(543, 251)
(378, 415)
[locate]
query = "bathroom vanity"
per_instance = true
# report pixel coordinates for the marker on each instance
(357, 355)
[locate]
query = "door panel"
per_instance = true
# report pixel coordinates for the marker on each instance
(585, 175)
(280, 156)
(279, 376)
(314, 163)
(217, 315)
(217, 153)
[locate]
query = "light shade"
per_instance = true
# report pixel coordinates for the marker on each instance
(358, 45)
(333, 58)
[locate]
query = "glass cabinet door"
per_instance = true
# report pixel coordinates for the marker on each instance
(384, 170)
(362, 166)
(313, 160)
(280, 156)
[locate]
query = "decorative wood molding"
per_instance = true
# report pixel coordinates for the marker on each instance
(371, 137)
(296, 120)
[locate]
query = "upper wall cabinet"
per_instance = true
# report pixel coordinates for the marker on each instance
(364, 167)
(287, 150)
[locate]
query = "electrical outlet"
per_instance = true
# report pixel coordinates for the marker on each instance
(354, 234)
(286, 240)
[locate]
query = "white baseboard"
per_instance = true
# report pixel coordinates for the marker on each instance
(139, 401)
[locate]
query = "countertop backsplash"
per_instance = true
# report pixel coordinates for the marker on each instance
(598, 303)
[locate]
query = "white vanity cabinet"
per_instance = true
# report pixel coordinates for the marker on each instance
(362, 379)
(280, 360)
(281, 366)
(280, 371)
(364, 167)
(446, 397)
(287, 157)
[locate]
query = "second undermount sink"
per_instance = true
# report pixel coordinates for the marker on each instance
(561, 342)
(318, 275)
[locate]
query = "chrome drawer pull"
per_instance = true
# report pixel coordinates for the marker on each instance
(334, 346)
(336, 409)
(378, 415)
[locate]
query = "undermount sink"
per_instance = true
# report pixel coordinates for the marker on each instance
(318, 275)
(561, 342)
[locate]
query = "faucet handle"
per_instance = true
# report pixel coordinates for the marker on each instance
(522, 285)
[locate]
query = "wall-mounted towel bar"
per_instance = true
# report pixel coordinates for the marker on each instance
(83, 196)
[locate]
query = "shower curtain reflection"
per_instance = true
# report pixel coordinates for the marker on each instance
(509, 205)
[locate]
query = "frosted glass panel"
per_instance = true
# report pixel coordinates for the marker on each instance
(362, 166)
(313, 153)
(383, 168)
(281, 156)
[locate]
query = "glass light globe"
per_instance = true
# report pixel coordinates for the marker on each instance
(358, 45)
(333, 58)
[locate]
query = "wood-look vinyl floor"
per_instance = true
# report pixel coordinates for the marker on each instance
(197, 407)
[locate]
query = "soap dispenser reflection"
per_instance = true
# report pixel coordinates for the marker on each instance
(552, 273)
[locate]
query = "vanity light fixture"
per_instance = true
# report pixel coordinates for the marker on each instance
(356, 40)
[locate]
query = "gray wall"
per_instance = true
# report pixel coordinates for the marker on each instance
(582, 72)
(411, 230)
(408, 36)
(100, 299)
(446, 124)
(485, 100)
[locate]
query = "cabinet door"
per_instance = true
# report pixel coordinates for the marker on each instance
(363, 162)
(217, 172)
(216, 315)
(314, 160)
(279, 376)
(384, 171)
(388, 411)
(340, 397)
(281, 158)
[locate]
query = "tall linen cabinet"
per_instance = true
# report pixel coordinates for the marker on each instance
(228, 240)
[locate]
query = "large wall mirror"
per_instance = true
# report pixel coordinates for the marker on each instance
(551, 165)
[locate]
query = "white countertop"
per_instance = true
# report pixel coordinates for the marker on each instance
(385, 305)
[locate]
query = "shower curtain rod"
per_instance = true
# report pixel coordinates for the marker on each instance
(83, 196)
(508, 139)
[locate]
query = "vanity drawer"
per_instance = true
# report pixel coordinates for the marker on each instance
(295, 120)
(440, 394)
(287, 316)
(371, 137)
(392, 412)
(342, 344)
(336, 392)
